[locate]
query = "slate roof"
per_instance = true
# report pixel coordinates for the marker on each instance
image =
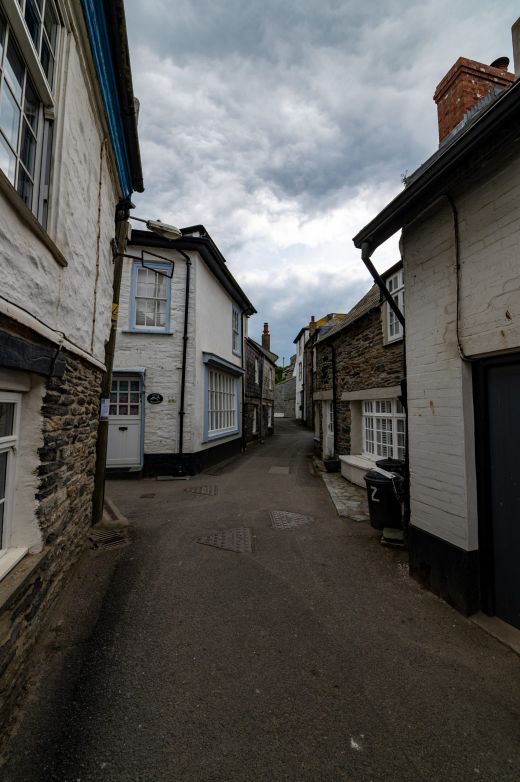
(370, 301)
(272, 357)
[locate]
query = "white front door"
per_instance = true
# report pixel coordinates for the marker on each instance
(124, 423)
(328, 430)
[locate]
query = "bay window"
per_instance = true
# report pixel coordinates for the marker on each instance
(222, 403)
(384, 429)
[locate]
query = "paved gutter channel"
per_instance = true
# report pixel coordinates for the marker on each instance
(311, 657)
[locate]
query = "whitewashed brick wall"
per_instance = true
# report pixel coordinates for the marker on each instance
(441, 428)
(161, 354)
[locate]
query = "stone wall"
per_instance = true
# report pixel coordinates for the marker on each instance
(362, 362)
(258, 395)
(285, 398)
(68, 423)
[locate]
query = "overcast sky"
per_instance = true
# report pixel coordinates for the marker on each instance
(285, 126)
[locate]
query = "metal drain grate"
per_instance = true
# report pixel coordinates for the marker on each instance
(208, 491)
(239, 540)
(105, 539)
(284, 519)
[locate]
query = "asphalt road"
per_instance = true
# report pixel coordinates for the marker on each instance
(314, 657)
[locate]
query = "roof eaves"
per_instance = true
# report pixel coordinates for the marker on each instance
(429, 182)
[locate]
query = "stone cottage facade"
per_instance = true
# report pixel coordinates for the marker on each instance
(65, 184)
(460, 221)
(259, 388)
(358, 418)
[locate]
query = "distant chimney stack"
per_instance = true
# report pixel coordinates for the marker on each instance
(266, 338)
(464, 85)
(312, 326)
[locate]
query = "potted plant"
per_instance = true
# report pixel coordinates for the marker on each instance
(331, 462)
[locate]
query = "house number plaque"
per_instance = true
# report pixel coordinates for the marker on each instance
(154, 399)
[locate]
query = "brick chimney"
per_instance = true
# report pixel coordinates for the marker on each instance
(464, 85)
(266, 338)
(312, 326)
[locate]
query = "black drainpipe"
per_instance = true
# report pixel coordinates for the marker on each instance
(184, 357)
(365, 257)
(334, 399)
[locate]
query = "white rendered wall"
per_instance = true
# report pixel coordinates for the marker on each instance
(300, 352)
(63, 298)
(214, 308)
(161, 355)
(440, 399)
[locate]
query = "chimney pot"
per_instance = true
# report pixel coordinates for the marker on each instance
(266, 338)
(464, 85)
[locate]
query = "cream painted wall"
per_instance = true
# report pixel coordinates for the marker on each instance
(63, 298)
(214, 308)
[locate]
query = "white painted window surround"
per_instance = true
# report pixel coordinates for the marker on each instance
(29, 41)
(257, 371)
(222, 402)
(383, 428)
(395, 285)
(236, 332)
(255, 420)
(10, 404)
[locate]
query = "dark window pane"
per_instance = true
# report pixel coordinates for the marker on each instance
(2, 37)
(25, 186)
(47, 60)
(9, 116)
(134, 385)
(7, 160)
(134, 409)
(123, 385)
(32, 19)
(123, 398)
(6, 418)
(28, 148)
(51, 24)
(123, 409)
(14, 70)
(113, 410)
(134, 398)
(3, 473)
(31, 104)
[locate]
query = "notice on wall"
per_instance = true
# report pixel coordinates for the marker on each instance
(105, 408)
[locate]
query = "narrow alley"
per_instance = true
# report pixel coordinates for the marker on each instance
(311, 657)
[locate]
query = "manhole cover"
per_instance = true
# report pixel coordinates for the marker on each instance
(284, 519)
(108, 538)
(146, 496)
(209, 491)
(238, 539)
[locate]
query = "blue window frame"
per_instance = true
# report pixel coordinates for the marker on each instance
(222, 395)
(236, 329)
(150, 298)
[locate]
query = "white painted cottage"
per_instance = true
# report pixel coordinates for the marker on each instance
(460, 220)
(177, 391)
(69, 162)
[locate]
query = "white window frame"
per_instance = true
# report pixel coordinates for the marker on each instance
(9, 555)
(257, 371)
(383, 420)
(222, 404)
(255, 420)
(270, 416)
(161, 271)
(236, 323)
(300, 370)
(395, 285)
(270, 378)
(42, 130)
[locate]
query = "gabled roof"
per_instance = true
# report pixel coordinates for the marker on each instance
(272, 357)
(431, 180)
(197, 238)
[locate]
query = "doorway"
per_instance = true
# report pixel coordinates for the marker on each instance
(497, 415)
(125, 423)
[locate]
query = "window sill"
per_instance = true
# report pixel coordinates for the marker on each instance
(9, 558)
(148, 332)
(25, 214)
(221, 436)
(392, 340)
